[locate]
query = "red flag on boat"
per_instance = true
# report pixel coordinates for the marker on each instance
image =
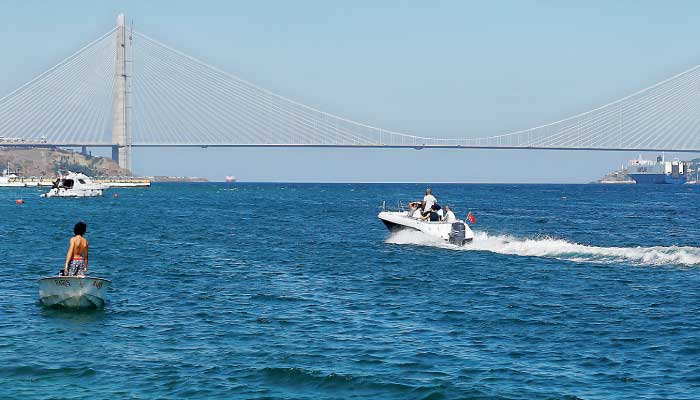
(470, 218)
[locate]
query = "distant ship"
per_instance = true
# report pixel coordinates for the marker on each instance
(230, 179)
(660, 172)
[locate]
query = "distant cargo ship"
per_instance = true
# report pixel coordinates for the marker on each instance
(659, 172)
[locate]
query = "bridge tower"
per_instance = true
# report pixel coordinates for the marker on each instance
(121, 129)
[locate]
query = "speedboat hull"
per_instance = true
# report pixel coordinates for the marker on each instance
(73, 291)
(73, 193)
(454, 232)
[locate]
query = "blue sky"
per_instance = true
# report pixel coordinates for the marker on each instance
(439, 68)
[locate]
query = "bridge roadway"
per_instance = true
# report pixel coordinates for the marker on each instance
(348, 146)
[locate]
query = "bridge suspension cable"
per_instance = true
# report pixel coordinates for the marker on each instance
(69, 103)
(206, 105)
(179, 100)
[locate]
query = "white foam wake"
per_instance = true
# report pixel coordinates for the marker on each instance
(559, 249)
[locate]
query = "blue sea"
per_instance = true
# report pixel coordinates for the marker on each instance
(298, 291)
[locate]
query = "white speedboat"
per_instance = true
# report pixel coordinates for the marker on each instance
(73, 291)
(75, 185)
(457, 232)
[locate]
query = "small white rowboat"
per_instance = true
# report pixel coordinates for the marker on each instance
(73, 291)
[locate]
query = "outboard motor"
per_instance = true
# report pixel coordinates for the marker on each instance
(458, 233)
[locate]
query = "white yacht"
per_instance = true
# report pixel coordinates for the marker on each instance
(456, 232)
(74, 184)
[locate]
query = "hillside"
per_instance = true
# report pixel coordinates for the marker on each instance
(49, 161)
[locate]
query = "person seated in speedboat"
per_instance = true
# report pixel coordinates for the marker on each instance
(435, 214)
(428, 201)
(77, 256)
(414, 210)
(449, 215)
(418, 213)
(438, 210)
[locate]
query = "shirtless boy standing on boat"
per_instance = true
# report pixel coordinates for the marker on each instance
(77, 257)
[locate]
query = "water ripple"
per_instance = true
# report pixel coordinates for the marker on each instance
(291, 291)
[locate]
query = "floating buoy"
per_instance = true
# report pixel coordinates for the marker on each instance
(115, 195)
(19, 201)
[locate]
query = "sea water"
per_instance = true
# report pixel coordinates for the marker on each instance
(297, 291)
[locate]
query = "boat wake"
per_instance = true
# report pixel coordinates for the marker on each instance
(559, 249)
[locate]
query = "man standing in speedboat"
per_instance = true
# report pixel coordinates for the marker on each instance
(77, 257)
(428, 201)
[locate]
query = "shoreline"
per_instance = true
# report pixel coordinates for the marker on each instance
(416, 183)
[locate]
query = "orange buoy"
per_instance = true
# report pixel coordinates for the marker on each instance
(19, 201)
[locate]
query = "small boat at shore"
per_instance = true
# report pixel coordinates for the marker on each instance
(456, 232)
(10, 179)
(73, 291)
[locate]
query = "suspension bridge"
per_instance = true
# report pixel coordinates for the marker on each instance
(126, 89)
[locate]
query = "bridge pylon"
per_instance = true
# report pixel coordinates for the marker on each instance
(121, 129)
